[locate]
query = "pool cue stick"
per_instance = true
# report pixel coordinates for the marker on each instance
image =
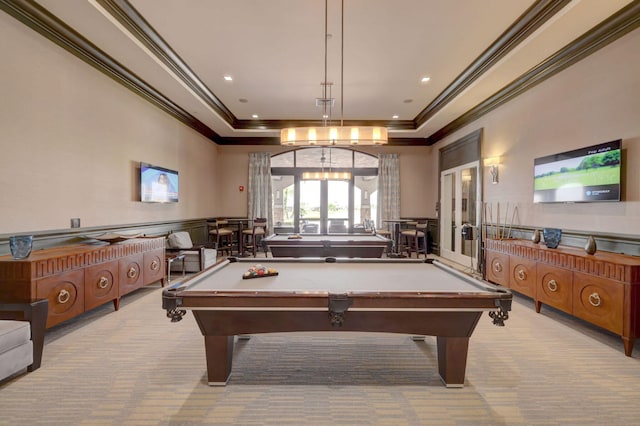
(513, 217)
(504, 223)
(498, 219)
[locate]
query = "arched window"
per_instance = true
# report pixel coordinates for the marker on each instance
(323, 205)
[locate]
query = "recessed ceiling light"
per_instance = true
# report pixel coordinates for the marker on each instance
(396, 116)
(408, 101)
(254, 116)
(228, 78)
(425, 79)
(243, 100)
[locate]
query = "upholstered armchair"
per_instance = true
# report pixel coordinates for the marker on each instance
(22, 327)
(197, 257)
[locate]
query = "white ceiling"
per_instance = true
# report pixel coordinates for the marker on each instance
(274, 50)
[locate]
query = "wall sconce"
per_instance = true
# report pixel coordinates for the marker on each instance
(493, 163)
(366, 194)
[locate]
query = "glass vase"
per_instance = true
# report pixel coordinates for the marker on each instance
(21, 246)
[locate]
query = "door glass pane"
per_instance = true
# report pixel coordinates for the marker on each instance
(468, 197)
(311, 157)
(365, 160)
(310, 206)
(364, 199)
(448, 212)
(338, 206)
(339, 157)
(283, 202)
(283, 160)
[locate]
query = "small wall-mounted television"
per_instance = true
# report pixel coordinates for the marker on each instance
(583, 175)
(158, 184)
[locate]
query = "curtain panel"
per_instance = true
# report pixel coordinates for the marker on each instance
(259, 186)
(388, 189)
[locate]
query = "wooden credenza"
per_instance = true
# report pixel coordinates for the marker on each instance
(603, 288)
(79, 278)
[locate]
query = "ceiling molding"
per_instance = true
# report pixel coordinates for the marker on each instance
(42, 21)
(39, 19)
(611, 29)
(129, 18)
(539, 13)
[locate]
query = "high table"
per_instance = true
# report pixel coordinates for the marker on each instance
(396, 234)
(351, 245)
(240, 223)
(409, 296)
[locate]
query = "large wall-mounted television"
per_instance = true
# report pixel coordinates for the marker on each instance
(158, 184)
(583, 175)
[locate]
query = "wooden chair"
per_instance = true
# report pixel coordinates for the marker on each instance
(412, 238)
(222, 235)
(252, 237)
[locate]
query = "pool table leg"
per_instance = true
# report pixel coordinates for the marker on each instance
(219, 353)
(452, 360)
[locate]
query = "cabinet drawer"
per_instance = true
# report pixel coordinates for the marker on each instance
(599, 301)
(101, 284)
(498, 268)
(129, 274)
(153, 266)
(523, 275)
(65, 293)
(554, 287)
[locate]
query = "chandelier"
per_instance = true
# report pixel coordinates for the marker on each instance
(327, 134)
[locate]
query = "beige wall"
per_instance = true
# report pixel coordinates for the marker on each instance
(72, 139)
(594, 101)
(415, 199)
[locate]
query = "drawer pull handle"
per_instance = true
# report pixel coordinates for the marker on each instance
(103, 282)
(594, 299)
(132, 272)
(63, 296)
(155, 265)
(497, 267)
(521, 275)
(552, 285)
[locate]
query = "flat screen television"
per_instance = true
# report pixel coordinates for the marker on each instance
(583, 175)
(158, 184)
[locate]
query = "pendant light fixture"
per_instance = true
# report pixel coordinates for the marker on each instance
(329, 135)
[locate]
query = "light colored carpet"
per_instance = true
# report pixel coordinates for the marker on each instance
(136, 367)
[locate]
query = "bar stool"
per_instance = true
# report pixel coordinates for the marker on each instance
(412, 239)
(223, 236)
(253, 236)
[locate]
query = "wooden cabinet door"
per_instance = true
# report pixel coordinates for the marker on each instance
(153, 266)
(497, 265)
(100, 284)
(599, 301)
(554, 287)
(130, 273)
(65, 293)
(522, 276)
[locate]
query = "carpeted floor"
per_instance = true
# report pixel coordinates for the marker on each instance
(136, 367)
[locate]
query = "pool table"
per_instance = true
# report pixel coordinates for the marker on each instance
(409, 296)
(351, 245)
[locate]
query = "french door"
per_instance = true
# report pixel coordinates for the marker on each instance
(325, 207)
(460, 214)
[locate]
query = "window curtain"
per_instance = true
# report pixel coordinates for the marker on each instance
(388, 189)
(259, 186)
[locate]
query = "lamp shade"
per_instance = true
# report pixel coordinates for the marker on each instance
(334, 135)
